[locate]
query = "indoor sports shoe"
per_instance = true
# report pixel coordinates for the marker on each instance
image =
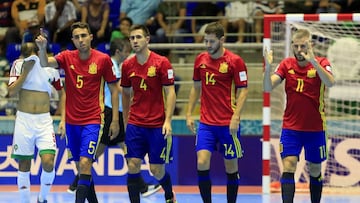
(172, 200)
(45, 201)
(151, 189)
(72, 189)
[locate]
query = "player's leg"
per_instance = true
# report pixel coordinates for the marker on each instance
(231, 149)
(290, 142)
(134, 179)
(315, 153)
(205, 145)
(82, 142)
(23, 180)
(90, 137)
(203, 172)
(136, 149)
(23, 152)
(316, 182)
(47, 176)
(45, 142)
(160, 152)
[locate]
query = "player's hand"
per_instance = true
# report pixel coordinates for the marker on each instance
(114, 130)
(41, 40)
(166, 129)
(190, 124)
(234, 125)
(309, 55)
(62, 129)
(268, 57)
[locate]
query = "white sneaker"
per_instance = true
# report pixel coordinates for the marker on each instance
(151, 189)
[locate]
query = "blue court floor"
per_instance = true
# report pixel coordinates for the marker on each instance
(121, 197)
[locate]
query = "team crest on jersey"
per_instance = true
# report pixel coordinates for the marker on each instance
(202, 66)
(223, 67)
(311, 73)
(93, 68)
(151, 71)
(291, 71)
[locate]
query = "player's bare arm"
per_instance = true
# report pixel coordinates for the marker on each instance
(45, 61)
(326, 77)
(114, 126)
(235, 118)
(169, 109)
(126, 95)
(15, 87)
(270, 81)
(61, 128)
(193, 98)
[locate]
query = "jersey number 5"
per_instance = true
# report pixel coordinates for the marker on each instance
(79, 81)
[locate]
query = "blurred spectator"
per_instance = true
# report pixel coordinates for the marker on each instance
(33, 31)
(205, 9)
(329, 6)
(78, 5)
(4, 73)
(169, 27)
(140, 11)
(96, 14)
(124, 29)
(5, 22)
(114, 13)
(59, 15)
(265, 7)
(23, 12)
(238, 16)
(350, 6)
(299, 6)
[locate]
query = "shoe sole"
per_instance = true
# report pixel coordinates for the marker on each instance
(71, 191)
(148, 193)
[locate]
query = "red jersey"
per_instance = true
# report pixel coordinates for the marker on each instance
(220, 79)
(304, 95)
(84, 84)
(147, 107)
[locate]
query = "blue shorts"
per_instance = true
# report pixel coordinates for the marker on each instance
(82, 140)
(314, 143)
(209, 136)
(141, 141)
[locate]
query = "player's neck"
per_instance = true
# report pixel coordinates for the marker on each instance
(84, 55)
(143, 56)
(219, 53)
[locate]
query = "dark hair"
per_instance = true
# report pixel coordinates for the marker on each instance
(28, 48)
(141, 27)
(126, 19)
(119, 44)
(215, 28)
(80, 25)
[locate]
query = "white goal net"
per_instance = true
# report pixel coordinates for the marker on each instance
(339, 41)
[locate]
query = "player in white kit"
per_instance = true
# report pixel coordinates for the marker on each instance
(33, 123)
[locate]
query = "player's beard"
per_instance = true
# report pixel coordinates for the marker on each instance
(299, 57)
(214, 50)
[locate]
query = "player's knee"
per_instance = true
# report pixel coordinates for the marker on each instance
(203, 164)
(314, 169)
(85, 165)
(24, 165)
(157, 171)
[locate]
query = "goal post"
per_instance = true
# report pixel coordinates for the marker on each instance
(335, 36)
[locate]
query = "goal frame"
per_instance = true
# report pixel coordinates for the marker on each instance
(268, 19)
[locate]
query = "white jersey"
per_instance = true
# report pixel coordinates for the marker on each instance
(39, 78)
